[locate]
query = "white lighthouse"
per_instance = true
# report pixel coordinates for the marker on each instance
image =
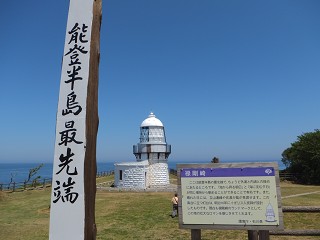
(151, 167)
(155, 150)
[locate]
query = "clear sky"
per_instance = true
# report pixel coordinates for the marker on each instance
(234, 79)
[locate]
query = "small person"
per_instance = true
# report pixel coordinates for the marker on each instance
(175, 201)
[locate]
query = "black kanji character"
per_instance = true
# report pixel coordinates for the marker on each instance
(70, 196)
(73, 76)
(72, 105)
(65, 160)
(68, 136)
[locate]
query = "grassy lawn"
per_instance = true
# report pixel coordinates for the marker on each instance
(129, 215)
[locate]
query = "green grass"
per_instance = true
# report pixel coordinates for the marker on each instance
(129, 215)
(25, 215)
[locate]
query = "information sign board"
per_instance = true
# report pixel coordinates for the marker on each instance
(230, 196)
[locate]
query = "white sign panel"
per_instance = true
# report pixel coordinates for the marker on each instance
(240, 195)
(67, 214)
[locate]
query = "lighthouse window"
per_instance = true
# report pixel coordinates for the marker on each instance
(120, 174)
(144, 134)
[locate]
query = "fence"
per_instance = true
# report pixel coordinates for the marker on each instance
(288, 176)
(20, 186)
(295, 232)
(39, 183)
(265, 235)
(105, 173)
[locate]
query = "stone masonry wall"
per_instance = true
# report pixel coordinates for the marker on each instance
(158, 175)
(132, 177)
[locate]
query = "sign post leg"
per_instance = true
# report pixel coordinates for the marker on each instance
(264, 235)
(195, 234)
(252, 235)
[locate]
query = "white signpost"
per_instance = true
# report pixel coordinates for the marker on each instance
(67, 213)
(230, 196)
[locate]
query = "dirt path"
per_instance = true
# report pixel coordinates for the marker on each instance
(301, 194)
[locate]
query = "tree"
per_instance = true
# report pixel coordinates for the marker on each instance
(13, 175)
(215, 160)
(33, 171)
(303, 158)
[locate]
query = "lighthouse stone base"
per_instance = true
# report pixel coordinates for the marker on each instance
(158, 175)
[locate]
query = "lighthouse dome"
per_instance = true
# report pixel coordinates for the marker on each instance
(151, 121)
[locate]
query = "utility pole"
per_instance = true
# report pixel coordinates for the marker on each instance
(92, 123)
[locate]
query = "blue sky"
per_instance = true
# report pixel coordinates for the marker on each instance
(234, 79)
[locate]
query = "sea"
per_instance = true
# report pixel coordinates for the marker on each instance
(18, 172)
